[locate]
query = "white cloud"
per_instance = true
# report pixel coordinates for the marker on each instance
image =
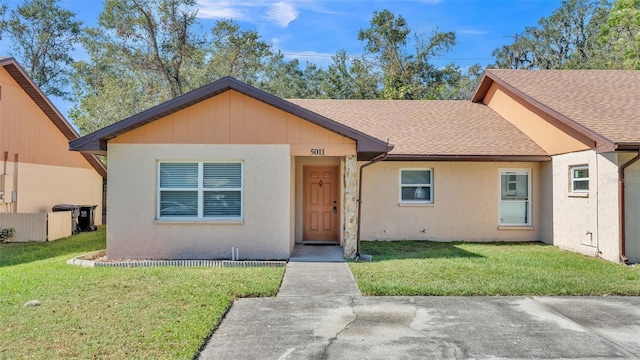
(472, 32)
(211, 9)
(282, 13)
(279, 12)
(306, 54)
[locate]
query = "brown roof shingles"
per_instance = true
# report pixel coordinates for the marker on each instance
(606, 102)
(414, 127)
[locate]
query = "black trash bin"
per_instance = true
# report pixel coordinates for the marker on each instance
(86, 219)
(75, 212)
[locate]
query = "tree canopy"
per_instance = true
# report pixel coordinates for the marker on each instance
(144, 52)
(43, 36)
(580, 34)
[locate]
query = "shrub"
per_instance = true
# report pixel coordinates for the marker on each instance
(6, 234)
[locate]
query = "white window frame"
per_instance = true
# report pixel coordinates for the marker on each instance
(529, 197)
(573, 179)
(426, 186)
(201, 189)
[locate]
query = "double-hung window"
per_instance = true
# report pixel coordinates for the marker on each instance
(416, 186)
(515, 201)
(200, 190)
(579, 178)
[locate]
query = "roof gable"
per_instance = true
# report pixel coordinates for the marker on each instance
(96, 142)
(231, 118)
(602, 105)
(42, 101)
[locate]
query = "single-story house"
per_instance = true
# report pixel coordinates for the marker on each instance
(534, 156)
(37, 170)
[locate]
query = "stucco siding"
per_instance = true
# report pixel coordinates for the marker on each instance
(587, 223)
(40, 187)
(134, 232)
(608, 216)
(546, 202)
(465, 207)
(632, 212)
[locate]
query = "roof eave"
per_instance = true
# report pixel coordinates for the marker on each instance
(468, 157)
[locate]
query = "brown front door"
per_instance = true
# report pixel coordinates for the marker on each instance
(321, 203)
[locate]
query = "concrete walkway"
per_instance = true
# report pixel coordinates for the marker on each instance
(320, 314)
(318, 271)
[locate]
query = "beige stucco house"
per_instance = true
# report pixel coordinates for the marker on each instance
(37, 170)
(535, 156)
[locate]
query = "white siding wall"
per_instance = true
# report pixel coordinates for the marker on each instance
(133, 231)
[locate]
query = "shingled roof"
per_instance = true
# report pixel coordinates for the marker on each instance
(604, 105)
(432, 129)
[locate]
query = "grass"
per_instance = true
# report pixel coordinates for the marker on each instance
(112, 313)
(433, 268)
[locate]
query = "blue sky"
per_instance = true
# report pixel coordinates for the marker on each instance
(313, 30)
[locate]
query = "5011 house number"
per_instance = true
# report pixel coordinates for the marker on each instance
(317, 152)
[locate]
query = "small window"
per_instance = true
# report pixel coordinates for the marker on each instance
(580, 178)
(515, 203)
(416, 186)
(200, 190)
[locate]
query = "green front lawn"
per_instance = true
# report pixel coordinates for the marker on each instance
(112, 313)
(434, 268)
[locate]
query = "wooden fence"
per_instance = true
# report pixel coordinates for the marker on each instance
(37, 227)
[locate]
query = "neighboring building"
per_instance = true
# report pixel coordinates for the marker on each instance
(37, 170)
(228, 165)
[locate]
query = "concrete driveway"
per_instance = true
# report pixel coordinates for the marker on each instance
(320, 314)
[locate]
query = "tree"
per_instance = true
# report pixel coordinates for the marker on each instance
(350, 78)
(44, 35)
(621, 33)
(568, 39)
(141, 54)
(457, 84)
(238, 53)
(285, 78)
(154, 36)
(153, 52)
(404, 74)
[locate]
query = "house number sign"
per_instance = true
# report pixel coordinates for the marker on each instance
(317, 152)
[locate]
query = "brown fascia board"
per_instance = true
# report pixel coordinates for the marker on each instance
(96, 142)
(482, 158)
(602, 143)
(483, 87)
(42, 101)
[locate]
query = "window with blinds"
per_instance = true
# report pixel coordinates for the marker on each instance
(200, 190)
